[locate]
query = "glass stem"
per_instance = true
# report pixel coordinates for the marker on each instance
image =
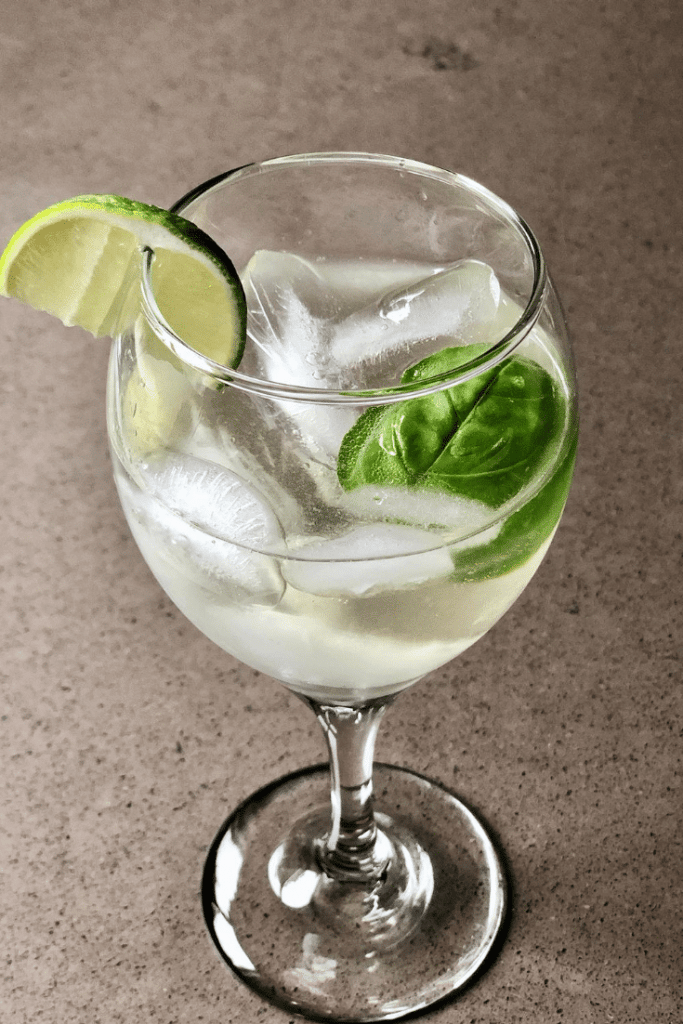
(354, 849)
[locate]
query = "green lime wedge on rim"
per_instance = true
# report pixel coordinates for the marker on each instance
(73, 260)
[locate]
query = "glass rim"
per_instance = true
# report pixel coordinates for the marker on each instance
(223, 375)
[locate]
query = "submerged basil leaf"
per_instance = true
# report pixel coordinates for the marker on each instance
(484, 439)
(523, 532)
(396, 444)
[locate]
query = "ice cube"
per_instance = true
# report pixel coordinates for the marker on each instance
(293, 302)
(291, 307)
(214, 523)
(458, 517)
(215, 444)
(288, 306)
(328, 324)
(456, 304)
(368, 559)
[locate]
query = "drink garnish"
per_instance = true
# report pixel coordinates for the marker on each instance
(73, 260)
(485, 439)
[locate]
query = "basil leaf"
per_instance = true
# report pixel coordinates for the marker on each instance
(523, 532)
(396, 444)
(484, 439)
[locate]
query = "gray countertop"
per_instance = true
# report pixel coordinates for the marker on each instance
(126, 736)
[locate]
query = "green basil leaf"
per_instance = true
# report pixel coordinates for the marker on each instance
(396, 444)
(523, 532)
(485, 439)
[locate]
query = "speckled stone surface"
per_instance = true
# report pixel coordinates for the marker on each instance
(126, 736)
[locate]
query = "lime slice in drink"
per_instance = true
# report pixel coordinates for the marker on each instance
(156, 406)
(74, 259)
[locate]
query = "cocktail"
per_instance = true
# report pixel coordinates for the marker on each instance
(349, 504)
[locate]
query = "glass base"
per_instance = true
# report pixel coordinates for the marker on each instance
(340, 950)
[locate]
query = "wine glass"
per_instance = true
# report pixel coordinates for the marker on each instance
(353, 506)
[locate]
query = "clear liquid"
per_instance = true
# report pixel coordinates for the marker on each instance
(281, 599)
(343, 645)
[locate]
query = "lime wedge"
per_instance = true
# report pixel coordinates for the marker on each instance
(73, 260)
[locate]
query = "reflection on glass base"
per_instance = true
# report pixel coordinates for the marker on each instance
(339, 951)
